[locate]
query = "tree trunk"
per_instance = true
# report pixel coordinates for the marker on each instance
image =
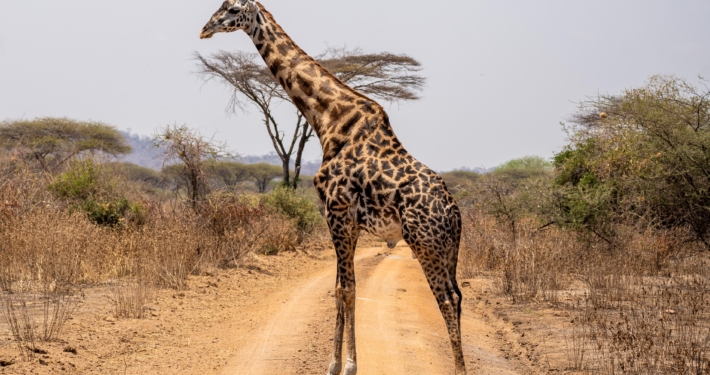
(305, 135)
(286, 160)
(261, 184)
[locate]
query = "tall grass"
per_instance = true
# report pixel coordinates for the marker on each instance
(52, 245)
(639, 307)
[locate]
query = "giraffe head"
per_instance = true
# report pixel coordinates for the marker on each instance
(233, 15)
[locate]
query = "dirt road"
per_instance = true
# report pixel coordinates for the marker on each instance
(399, 328)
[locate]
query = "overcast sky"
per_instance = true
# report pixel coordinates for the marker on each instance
(501, 74)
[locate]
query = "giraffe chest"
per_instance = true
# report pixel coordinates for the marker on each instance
(390, 231)
(380, 220)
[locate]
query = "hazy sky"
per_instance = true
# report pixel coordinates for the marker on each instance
(501, 74)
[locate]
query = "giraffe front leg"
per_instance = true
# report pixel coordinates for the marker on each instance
(349, 294)
(344, 239)
(336, 361)
(345, 306)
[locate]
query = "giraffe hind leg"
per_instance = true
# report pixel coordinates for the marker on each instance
(448, 297)
(452, 315)
(443, 285)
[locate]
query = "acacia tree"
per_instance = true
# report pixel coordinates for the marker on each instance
(262, 174)
(193, 151)
(51, 141)
(386, 76)
(233, 173)
(639, 157)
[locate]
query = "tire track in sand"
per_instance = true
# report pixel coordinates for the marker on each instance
(399, 328)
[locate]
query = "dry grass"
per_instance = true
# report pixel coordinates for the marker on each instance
(524, 259)
(130, 298)
(48, 242)
(50, 250)
(37, 312)
(640, 307)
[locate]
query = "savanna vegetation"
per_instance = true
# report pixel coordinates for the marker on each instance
(70, 217)
(614, 229)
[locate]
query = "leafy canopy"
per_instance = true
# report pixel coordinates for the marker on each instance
(52, 141)
(233, 173)
(523, 168)
(646, 161)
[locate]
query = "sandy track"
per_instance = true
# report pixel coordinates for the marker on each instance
(399, 328)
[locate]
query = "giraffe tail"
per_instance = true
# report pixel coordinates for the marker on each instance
(454, 240)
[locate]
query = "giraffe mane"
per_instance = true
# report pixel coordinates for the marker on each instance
(325, 71)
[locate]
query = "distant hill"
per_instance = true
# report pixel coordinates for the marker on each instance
(308, 168)
(146, 155)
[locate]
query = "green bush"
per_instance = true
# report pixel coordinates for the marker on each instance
(108, 214)
(520, 169)
(78, 182)
(585, 200)
(295, 205)
(639, 158)
(84, 186)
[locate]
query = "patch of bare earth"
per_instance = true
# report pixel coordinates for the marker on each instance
(535, 335)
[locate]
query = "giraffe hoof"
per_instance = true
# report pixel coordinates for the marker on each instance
(350, 368)
(334, 368)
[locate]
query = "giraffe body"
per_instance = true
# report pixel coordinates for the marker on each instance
(367, 181)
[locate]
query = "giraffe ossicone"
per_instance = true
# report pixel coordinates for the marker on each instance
(367, 180)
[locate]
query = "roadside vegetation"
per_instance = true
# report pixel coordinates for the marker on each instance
(71, 218)
(613, 230)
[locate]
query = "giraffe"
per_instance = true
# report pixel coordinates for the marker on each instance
(367, 180)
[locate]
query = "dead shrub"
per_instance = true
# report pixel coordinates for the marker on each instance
(16, 314)
(577, 344)
(130, 298)
(663, 331)
(645, 303)
(533, 263)
(46, 244)
(37, 312)
(49, 243)
(170, 250)
(243, 224)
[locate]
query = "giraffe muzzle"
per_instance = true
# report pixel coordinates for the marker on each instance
(207, 31)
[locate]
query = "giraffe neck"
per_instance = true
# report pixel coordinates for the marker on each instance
(324, 100)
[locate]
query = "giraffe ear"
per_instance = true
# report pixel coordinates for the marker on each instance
(251, 6)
